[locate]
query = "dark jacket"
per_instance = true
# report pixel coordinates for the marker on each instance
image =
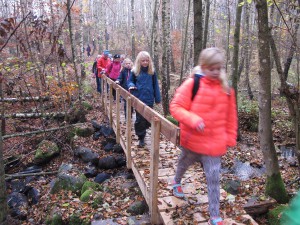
(147, 87)
(124, 77)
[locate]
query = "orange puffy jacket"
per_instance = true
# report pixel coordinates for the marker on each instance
(215, 107)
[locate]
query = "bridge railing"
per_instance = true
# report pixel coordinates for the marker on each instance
(159, 125)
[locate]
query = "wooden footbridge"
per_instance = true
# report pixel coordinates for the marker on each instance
(154, 165)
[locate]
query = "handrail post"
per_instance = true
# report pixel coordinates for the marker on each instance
(101, 80)
(105, 94)
(110, 104)
(128, 132)
(118, 131)
(154, 161)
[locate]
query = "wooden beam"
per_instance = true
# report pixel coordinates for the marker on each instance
(110, 103)
(128, 132)
(118, 116)
(154, 161)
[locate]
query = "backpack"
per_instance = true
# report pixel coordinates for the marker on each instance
(196, 85)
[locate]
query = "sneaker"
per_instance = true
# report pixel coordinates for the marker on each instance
(177, 190)
(216, 221)
(141, 143)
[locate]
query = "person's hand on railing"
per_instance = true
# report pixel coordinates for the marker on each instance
(117, 82)
(132, 88)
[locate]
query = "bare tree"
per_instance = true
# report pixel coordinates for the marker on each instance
(198, 29)
(132, 30)
(207, 11)
(274, 184)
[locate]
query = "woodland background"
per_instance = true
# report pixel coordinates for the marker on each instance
(42, 57)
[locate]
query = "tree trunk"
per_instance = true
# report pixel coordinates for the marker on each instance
(274, 184)
(132, 31)
(81, 44)
(3, 204)
(165, 58)
(198, 30)
(154, 36)
(247, 49)
(185, 42)
(236, 46)
(73, 49)
(205, 34)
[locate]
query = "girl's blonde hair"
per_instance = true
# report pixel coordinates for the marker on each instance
(137, 64)
(127, 60)
(209, 57)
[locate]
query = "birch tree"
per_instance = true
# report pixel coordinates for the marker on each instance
(274, 184)
(198, 30)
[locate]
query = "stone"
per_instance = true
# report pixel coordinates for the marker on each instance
(101, 177)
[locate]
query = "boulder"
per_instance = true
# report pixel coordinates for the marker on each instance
(45, 152)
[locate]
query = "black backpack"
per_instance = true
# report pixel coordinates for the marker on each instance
(196, 85)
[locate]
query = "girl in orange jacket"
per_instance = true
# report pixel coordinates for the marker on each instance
(208, 125)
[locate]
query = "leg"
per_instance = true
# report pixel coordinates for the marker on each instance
(98, 84)
(212, 166)
(140, 126)
(186, 159)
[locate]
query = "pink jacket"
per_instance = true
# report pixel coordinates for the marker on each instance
(216, 108)
(113, 70)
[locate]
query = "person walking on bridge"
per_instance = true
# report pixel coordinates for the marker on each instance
(102, 63)
(143, 84)
(208, 124)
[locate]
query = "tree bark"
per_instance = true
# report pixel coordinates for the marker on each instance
(274, 184)
(165, 58)
(236, 46)
(132, 31)
(198, 30)
(205, 34)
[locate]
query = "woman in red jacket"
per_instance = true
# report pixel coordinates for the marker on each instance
(208, 124)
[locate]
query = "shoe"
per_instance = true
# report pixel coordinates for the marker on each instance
(177, 190)
(141, 143)
(216, 221)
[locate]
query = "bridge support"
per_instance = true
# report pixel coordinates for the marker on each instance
(154, 162)
(128, 132)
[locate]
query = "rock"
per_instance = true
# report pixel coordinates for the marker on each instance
(18, 205)
(76, 114)
(67, 182)
(83, 131)
(18, 185)
(107, 131)
(33, 196)
(108, 162)
(45, 152)
(101, 177)
(88, 185)
(232, 186)
(96, 125)
(86, 154)
(109, 147)
(118, 148)
(96, 135)
(120, 160)
(138, 208)
(90, 171)
(64, 168)
(56, 219)
(86, 196)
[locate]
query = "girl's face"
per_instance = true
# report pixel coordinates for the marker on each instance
(127, 65)
(212, 71)
(145, 61)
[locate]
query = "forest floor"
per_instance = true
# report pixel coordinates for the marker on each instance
(247, 150)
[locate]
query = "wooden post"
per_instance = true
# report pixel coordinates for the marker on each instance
(110, 105)
(105, 94)
(118, 131)
(102, 94)
(154, 161)
(128, 132)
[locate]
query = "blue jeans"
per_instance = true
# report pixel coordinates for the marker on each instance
(98, 81)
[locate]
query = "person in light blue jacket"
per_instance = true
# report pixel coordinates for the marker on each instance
(143, 84)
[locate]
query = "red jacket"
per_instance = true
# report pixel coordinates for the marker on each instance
(102, 63)
(216, 108)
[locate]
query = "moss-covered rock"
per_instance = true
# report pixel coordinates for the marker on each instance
(274, 214)
(172, 120)
(45, 152)
(86, 196)
(55, 220)
(68, 182)
(83, 131)
(88, 185)
(275, 189)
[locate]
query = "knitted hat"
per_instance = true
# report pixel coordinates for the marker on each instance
(117, 56)
(105, 52)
